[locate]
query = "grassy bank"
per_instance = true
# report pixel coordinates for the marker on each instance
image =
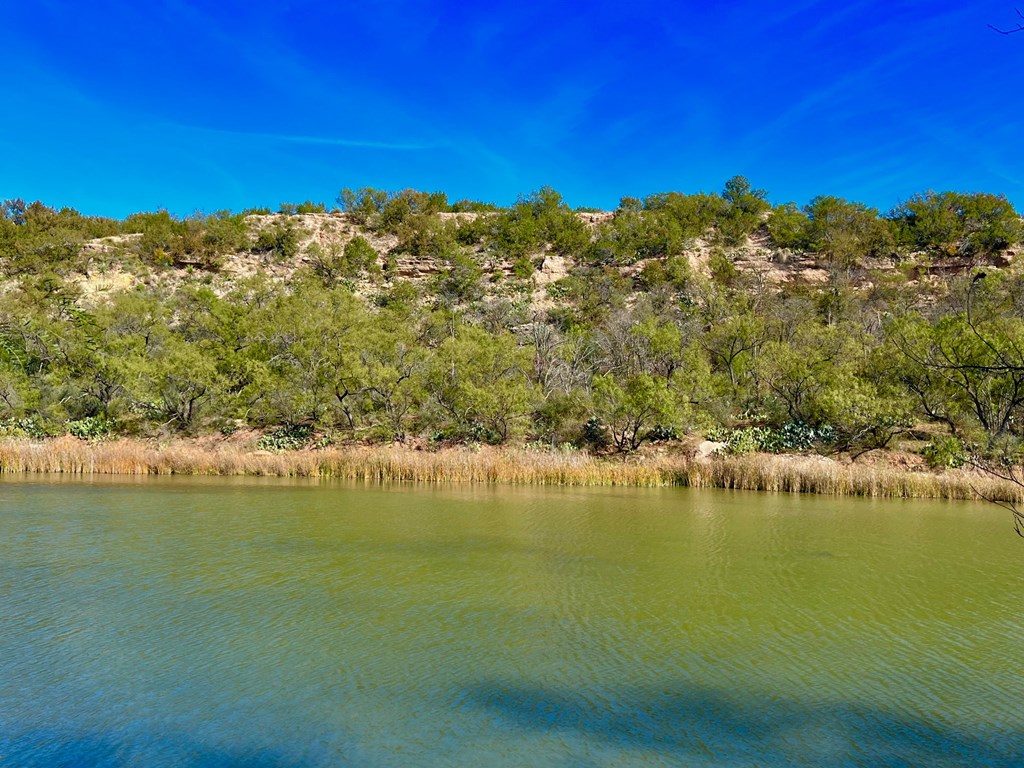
(753, 472)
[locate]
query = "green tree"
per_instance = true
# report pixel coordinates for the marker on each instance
(788, 226)
(174, 382)
(395, 367)
(460, 279)
(537, 219)
(745, 211)
(691, 216)
(309, 370)
(631, 408)
(363, 204)
(845, 232)
(480, 386)
(384, 210)
(957, 224)
(966, 373)
(335, 262)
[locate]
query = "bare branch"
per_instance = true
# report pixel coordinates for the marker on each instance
(1009, 475)
(1018, 28)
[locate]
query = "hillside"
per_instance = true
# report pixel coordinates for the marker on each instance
(827, 328)
(112, 263)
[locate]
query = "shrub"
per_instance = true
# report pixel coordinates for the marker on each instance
(791, 436)
(957, 224)
(946, 452)
(289, 438)
(473, 206)
(595, 435)
(723, 270)
(90, 428)
(662, 434)
(280, 240)
(386, 211)
(198, 241)
(472, 231)
(290, 209)
(523, 267)
(31, 426)
(360, 257)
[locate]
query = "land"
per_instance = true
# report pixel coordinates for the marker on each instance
(828, 347)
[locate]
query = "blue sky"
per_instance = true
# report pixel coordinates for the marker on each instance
(114, 107)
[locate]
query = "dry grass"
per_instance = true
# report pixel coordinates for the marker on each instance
(808, 474)
(757, 472)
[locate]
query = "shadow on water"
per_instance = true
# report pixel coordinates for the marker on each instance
(708, 725)
(41, 748)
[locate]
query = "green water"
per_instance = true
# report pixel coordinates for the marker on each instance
(192, 622)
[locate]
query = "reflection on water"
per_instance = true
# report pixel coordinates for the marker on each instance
(271, 623)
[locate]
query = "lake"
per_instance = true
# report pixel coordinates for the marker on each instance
(256, 623)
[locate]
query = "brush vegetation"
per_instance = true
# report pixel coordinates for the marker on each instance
(486, 464)
(399, 317)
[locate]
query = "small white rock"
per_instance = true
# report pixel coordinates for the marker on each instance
(707, 448)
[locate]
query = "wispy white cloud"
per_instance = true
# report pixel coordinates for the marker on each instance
(328, 141)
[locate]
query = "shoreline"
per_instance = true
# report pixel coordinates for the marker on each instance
(773, 473)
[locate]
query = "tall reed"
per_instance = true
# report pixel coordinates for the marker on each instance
(390, 463)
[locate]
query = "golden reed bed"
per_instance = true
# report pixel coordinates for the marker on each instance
(755, 472)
